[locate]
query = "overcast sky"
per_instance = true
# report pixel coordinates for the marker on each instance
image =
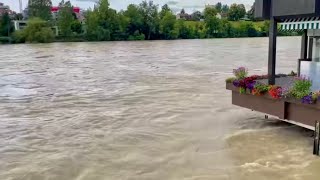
(189, 5)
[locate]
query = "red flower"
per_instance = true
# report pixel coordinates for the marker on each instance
(275, 92)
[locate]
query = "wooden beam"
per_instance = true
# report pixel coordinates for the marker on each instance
(310, 49)
(304, 45)
(272, 51)
(304, 50)
(316, 149)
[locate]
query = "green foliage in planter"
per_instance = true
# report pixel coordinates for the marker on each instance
(240, 73)
(230, 80)
(260, 88)
(301, 87)
(242, 90)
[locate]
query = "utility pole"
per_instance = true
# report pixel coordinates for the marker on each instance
(20, 6)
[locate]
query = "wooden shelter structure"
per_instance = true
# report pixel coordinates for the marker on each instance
(292, 15)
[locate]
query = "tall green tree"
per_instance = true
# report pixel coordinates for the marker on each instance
(40, 9)
(103, 23)
(164, 9)
(250, 13)
(65, 18)
(212, 23)
(6, 27)
(93, 30)
(167, 26)
(135, 17)
(225, 8)
(150, 15)
(121, 26)
(218, 6)
(109, 20)
(236, 12)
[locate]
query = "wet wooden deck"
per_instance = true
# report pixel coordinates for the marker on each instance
(284, 82)
(308, 69)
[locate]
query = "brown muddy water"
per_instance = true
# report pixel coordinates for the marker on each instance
(143, 111)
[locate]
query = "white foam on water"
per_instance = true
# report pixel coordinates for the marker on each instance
(14, 92)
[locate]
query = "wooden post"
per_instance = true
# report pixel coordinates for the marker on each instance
(304, 50)
(272, 47)
(304, 45)
(272, 51)
(310, 48)
(316, 139)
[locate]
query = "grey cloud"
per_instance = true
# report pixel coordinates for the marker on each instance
(172, 2)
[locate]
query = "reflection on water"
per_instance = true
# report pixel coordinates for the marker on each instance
(142, 110)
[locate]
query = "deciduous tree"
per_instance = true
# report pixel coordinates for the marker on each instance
(5, 25)
(236, 12)
(150, 15)
(40, 9)
(167, 24)
(218, 6)
(65, 18)
(212, 22)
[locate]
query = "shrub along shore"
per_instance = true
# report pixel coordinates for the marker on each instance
(139, 22)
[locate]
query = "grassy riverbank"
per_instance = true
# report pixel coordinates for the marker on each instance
(138, 22)
(187, 30)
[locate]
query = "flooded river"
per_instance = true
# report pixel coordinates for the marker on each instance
(143, 111)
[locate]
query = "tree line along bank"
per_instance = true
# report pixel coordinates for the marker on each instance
(145, 21)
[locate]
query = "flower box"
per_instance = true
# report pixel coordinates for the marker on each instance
(290, 109)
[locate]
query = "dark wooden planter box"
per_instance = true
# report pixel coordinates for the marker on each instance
(291, 110)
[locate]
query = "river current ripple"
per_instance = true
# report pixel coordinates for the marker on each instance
(152, 110)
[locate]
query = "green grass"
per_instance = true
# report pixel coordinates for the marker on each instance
(257, 25)
(193, 23)
(235, 24)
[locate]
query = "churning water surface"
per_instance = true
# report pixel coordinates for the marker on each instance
(152, 110)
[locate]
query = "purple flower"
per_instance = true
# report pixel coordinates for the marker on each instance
(251, 85)
(240, 73)
(302, 78)
(285, 92)
(307, 99)
(236, 83)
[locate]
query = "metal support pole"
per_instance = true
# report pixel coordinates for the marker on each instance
(304, 45)
(272, 47)
(310, 49)
(304, 50)
(272, 51)
(316, 139)
(299, 67)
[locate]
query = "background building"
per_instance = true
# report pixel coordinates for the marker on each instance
(6, 9)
